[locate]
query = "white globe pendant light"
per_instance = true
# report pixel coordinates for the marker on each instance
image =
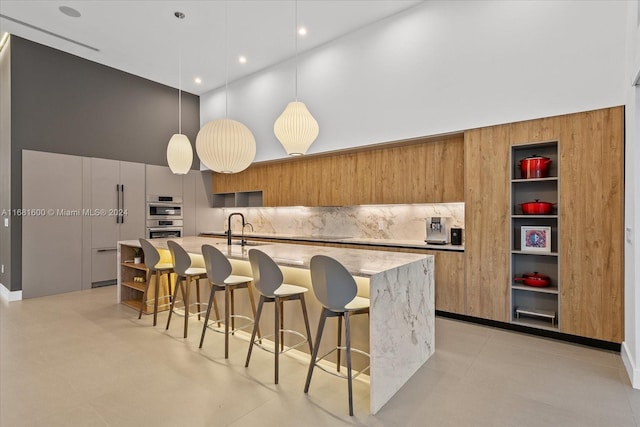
(295, 128)
(225, 145)
(179, 151)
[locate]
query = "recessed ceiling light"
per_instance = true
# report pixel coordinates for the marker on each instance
(302, 31)
(242, 59)
(69, 11)
(198, 80)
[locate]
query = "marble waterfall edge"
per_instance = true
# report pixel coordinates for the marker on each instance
(402, 326)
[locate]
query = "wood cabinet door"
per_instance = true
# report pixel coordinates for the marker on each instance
(487, 184)
(449, 281)
(429, 170)
(592, 224)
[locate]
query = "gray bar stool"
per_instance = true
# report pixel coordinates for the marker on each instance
(220, 278)
(157, 269)
(336, 290)
(186, 273)
(267, 278)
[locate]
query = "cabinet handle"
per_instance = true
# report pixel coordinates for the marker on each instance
(107, 250)
(122, 204)
(118, 202)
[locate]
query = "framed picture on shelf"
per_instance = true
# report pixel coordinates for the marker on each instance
(535, 239)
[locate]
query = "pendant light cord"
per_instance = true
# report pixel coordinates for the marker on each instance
(226, 59)
(296, 36)
(180, 90)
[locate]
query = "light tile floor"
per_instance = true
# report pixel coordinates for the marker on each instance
(80, 359)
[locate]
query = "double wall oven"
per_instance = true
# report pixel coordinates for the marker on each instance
(164, 217)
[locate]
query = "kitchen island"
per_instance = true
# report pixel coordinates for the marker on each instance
(400, 286)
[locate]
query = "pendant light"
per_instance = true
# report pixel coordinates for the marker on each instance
(296, 129)
(179, 151)
(225, 145)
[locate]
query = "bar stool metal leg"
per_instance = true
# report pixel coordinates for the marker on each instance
(306, 322)
(281, 325)
(255, 329)
(339, 342)
(314, 353)
(198, 297)
(347, 334)
(207, 315)
(253, 305)
(186, 305)
(278, 335)
(173, 298)
(227, 303)
(232, 307)
(144, 294)
(155, 298)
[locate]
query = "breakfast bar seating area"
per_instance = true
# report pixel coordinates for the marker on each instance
(398, 333)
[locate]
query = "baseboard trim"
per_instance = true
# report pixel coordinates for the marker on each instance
(591, 342)
(630, 366)
(8, 295)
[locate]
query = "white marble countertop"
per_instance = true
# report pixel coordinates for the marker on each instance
(359, 262)
(414, 244)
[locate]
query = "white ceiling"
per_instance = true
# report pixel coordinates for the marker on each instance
(144, 38)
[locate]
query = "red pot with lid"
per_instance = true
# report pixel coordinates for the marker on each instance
(534, 279)
(534, 167)
(537, 208)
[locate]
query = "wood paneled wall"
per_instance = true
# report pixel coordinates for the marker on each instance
(474, 168)
(428, 170)
(591, 209)
(591, 218)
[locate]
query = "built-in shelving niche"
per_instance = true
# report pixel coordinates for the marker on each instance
(535, 306)
(242, 199)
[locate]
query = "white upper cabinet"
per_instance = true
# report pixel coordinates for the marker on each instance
(162, 182)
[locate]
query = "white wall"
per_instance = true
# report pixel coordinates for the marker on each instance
(631, 345)
(449, 66)
(442, 66)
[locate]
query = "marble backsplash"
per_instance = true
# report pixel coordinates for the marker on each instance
(403, 222)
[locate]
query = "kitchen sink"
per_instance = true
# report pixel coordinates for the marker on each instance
(248, 243)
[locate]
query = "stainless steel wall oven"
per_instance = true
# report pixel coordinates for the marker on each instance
(164, 217)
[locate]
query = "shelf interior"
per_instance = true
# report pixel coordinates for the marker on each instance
(544, 290)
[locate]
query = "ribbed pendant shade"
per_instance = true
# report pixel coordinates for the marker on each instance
(296, 129)
(226, 146)
(179, 154)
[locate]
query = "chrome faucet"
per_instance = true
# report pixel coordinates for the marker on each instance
(243, 241)
(229, 226)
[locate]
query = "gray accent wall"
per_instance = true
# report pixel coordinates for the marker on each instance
(64, 104)
(5, 162)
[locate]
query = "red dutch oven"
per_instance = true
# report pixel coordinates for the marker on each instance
(535, 167)
(537, 208)
(534, 279)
